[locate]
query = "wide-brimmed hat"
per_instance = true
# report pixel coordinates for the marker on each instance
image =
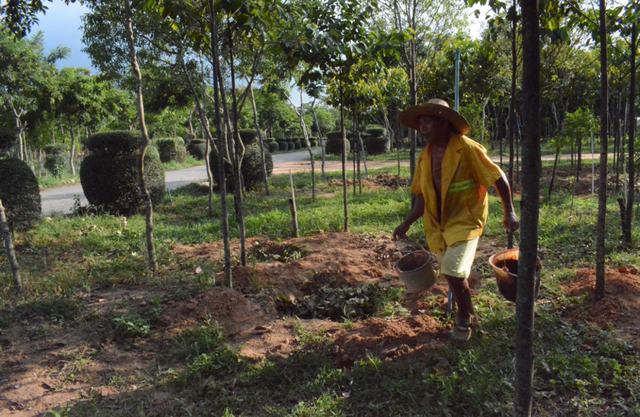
(436, 108)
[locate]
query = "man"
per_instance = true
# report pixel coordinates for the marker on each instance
(450, 183)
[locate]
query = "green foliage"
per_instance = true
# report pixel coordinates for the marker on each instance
(7, 139)
(56, 158)
(281, 253)
(282, 145)
(19, 193)
(378, 143)
(131, 326)
(197, 148)
(112, 144)
(343, 303)
(251, 167)
(205, 338)
(109, 176)
(172, 149)
(333, 144)
(248, 136)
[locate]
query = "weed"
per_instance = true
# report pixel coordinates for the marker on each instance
(132, 326)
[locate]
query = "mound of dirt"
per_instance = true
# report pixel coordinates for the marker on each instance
(619, 308)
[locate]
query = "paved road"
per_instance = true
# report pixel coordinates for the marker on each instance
(61, 200)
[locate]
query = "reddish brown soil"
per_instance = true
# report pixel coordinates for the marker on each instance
(44, 364)
(619, 309)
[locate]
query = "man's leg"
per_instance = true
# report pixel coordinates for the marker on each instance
(455, 266)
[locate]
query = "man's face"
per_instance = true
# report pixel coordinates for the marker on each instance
(431, 128)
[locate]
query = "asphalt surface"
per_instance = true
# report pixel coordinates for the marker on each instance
(61, 200)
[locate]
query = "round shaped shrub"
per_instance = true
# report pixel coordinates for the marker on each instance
(172, 149)
(110, 179)
(313, 141)
(197, 148)
(291, 145)
(376, 131)
(19, 193)
(377, 145)
(251, 167)
(56, 158)
(248, 136)
(273, 146)
(333, 144)
(282, 145)
(7, 140)
(298, 143)
(110, 144)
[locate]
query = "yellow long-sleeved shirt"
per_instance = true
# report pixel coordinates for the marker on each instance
(467, 173)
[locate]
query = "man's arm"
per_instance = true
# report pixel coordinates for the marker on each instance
(416, 212)
(510, 220)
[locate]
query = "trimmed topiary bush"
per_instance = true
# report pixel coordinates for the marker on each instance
(172, 149)
(116, 143)
(19, 193)
(314, 141)
(7, 139)
(109, 176)
(291, 145)
(272, 144)
(197, 148)
(248, 136)
(282, 145)
(297, 143)
(333, 144)
(378, 142)
(56, 158)
(251, 167)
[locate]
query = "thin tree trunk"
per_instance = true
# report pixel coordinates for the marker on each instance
(632, 135)
(8, 246)
(604, 131)
(320, 136)
(553, 176)
(529, 208)
(305, 133)
(73, 147)
(224, 207)
(265, 179)
(512, 106)
(344, 157)
(151, 252)
(239, 155)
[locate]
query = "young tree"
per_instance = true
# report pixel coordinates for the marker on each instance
(529, 209)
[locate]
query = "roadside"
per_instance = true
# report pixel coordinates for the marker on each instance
(62, 200)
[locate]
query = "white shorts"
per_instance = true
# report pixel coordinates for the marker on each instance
(457, 259)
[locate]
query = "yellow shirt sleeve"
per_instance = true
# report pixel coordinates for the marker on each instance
(485, 170)
(416, 185)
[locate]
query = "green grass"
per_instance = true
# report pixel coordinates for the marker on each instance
(579, 369)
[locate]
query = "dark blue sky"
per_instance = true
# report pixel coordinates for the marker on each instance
(61, 26)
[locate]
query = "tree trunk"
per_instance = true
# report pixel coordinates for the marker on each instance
(151, 252)
(529, 208)
(305, 133)
(512, 105)
(344, 157)
(73, 147)
(320, 137)
(239, 155)
(265, 180)
(8, 246)
(553, 176)
(224, 207)
(604, 131)
(632, 134)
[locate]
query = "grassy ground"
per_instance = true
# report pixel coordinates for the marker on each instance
(579, 370)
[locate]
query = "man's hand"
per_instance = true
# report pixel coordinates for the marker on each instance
(510, 222)
(401, 231)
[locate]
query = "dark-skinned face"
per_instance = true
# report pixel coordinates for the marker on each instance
(432, 129)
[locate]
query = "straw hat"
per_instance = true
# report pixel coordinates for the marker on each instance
(434, 107)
